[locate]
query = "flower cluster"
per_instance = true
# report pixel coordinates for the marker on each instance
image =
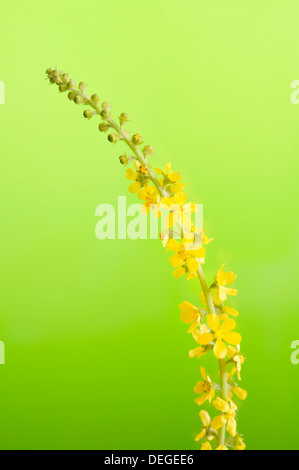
(211, 326)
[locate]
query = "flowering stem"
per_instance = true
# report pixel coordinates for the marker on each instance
(222, 362)
(223, 394)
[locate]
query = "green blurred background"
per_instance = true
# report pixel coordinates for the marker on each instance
(96, 356)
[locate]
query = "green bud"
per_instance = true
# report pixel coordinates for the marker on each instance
(66, 77)
(71, 84)
(113, 138)
(78, 99)
(52, 80)
(106, 105)
(148, 150)
(63, 88)
(83, 86)
(88, 113)
(124, 159)
(95, 100)
(105, 114)
(137, 139)
(72, 95)
(103, 126)
(123, 118)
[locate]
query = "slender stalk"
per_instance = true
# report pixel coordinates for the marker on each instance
(223, 394)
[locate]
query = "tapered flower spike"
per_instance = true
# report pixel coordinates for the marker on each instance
(211, 326)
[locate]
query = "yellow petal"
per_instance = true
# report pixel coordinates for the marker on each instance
(220, 349)
(199, 387)
(213, 322)
(197, 352)
(206, 446)
(218, 422)
(222, 448)
(179, 272)
(171, 220)
(201, 435)
(202, 399)
(203, 373)
(205, 338)
(131, 174)
(176, 260)
(227, 325)
(232, 338)
(232, 292)
(231, 311)
(232, 427)
(198, 253)
(240, 392)
(188, 307)
(205, 417)
(134, 187)
(221, 405)
(174, 245)
(192, 264)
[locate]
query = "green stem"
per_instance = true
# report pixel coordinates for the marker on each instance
(223, 394)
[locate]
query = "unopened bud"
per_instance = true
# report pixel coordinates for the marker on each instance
(124, 159)
(148, 150)
(105, 114)
(106, 105)
(103, 126)
(95, 100)
(78, 99)
(113, 138)
(137, 139)
(88, 113)
(123, 118)
(71, 84)
(63, 88)
(72, 95)
(66, 77)
(83, 86)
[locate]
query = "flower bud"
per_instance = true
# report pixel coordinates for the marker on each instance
(78, 99)
(106, 105)
(72, 95)
(113, 138)
(148, 151)
(103, 126)
(83, 86)
(63, 88)
(105, 114)
(95, 100)
(88, 113)
(71, 84)
(123, 118)
(66, 77)
(137, 139)
(124, 159)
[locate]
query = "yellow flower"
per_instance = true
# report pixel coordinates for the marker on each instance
(169, 175)
(221, 333)
(179, 211)
(139, 176)
(221, 292)
(222, 448)
(206, 446)
(186, 261)
(227, 417)
(239, 359)
(198, 352)
(240, 392)
(204, 387)
(151, 197)
(206, 420)
(239, 443)
(190, 314)
(231, 311)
